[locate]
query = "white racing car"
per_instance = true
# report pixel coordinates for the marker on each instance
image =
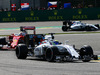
(51, 50)
(78, 25)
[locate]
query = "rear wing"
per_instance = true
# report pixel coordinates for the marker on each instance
(23, 28)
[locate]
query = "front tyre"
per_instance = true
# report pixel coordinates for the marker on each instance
(3, 41)
(97, 25)
(50, 54)
(21, 51)
(86, 53)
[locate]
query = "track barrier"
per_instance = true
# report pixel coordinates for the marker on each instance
(50, 15)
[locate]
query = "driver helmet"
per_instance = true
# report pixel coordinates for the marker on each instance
(56, 42)
(22, 34)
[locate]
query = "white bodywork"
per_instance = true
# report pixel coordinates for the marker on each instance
(78, 25)
(39, 51)
(72, 51)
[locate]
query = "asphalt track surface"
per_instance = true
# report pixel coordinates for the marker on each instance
(10, 65)
(16, 25)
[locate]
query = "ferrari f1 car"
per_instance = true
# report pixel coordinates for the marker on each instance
(10, 42)
(78, 25)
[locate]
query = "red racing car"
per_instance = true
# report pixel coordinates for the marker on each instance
(13, 40)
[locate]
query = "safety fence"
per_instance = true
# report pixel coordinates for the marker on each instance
(50, 15)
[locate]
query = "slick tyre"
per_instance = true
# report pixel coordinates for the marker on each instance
(87, 28)
(50, 54)
(3, 41)
(86, 53)
(64, 28)
(21, 51)
(97, 25)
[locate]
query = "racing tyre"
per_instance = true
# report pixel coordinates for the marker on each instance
(97, 25)
(86, 53)
(87, 28)
(50, 54)
(3, 41)
(64, 28)
(21, 51)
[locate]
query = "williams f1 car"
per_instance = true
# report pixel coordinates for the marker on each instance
(78, 25)
(45, 47)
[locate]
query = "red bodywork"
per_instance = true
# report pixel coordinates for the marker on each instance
(14, 40)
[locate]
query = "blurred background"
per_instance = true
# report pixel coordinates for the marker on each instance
(37, 4)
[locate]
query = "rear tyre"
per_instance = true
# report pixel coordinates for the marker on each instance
(86, 53)
(64, 28)
(50, 54)
(21, 51)
(87, 28)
